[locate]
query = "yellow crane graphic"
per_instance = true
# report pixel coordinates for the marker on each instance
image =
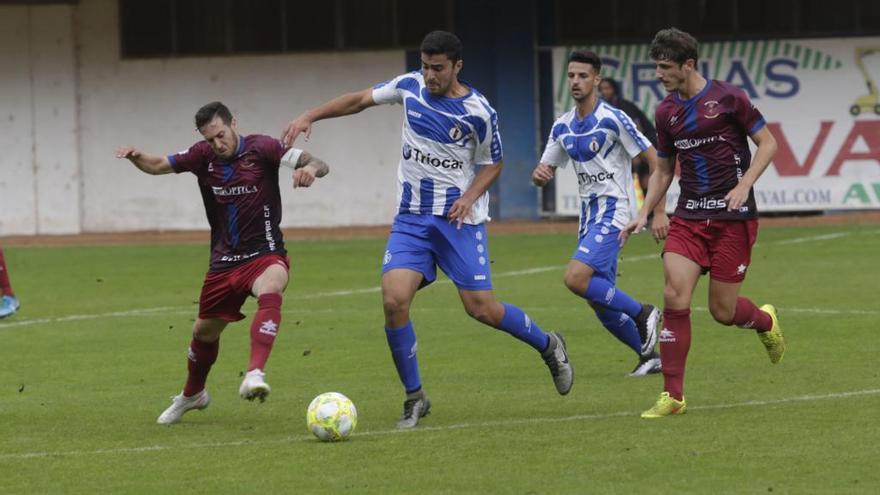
(871, 101)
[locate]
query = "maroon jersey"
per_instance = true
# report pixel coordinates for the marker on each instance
(709, 133)
(241, 196)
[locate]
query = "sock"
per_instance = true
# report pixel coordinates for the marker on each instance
(264, 328)
(200, 359)
(402, 342)
(747, 315)
(675, 342)
(621, 326)
(518, 324)
(602, 292)
(5, 287)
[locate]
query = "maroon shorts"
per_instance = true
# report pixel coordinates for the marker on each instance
(223, 293)
(722, 248)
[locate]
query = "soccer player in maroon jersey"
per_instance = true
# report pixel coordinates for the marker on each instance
(238, 179)
(8, 302)
(705, 124)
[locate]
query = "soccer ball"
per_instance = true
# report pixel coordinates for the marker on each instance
(331, 417)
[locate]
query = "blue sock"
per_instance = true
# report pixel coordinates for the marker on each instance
(605, 294)
(402, 342)
(621, 326)
(518, 324)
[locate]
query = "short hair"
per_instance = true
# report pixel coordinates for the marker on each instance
(442, 42)
(586, 57)
(214, 109)
(675, 45)
(613, 83)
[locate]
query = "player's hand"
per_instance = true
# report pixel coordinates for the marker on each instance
(543, 174)
(303, 177)
(634, 227)
(295, 128)
(737, 197)
(128, 152)
(660, 226)
(459, 211)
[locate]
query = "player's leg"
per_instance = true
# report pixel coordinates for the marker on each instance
(681, 275)
(8, 302)
(271, 279)
(219, 304)
(408, 264)
(591, 274)
(463, 255)
(201, 356)
(399, 287)
(483, 307)
(731, 255)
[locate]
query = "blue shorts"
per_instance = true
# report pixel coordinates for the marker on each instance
(598, 249)
(423, 242)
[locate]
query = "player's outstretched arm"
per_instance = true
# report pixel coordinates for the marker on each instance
(340, 106)
(658, 184)
(763, 156)
(308, 168)
(543, 174)
(461, 209)
(660, 224)
(151, 164)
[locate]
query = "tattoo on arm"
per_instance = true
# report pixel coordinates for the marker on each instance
(306, 159)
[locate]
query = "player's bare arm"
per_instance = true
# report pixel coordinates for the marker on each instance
(308, 168)
(763, 156)
(151, 164)
(660, 224)
(543, 174)
(482, 181)
(658, 184)
(340, 106)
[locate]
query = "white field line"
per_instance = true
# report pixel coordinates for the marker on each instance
(368, 290)
(425, 429)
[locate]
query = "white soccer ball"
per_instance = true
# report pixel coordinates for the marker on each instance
(331, 417)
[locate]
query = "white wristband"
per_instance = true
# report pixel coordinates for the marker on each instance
(291, 158)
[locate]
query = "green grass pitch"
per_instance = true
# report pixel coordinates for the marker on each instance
(100, 342)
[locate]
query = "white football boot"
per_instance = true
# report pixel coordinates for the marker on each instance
(180, 404)
(254, 386)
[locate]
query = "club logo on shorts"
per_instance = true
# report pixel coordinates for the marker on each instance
(387, 258)
(741, 269)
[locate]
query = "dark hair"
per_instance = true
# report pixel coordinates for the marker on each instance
(586, 58)
(675, 45)
(442, 42)
(613, 83)
(214, 109)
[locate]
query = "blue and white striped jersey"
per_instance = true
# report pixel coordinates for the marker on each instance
(444, 139)
(602, 146)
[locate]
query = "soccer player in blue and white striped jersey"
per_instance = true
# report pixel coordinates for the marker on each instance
(450, 155)
(601, 141)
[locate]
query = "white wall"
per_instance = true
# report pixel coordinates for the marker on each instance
(87, 101)
(39, 187)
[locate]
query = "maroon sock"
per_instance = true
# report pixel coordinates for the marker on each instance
(675, 341)
(5, 288)
(747, 315)
(264, 329)
(200, 359)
